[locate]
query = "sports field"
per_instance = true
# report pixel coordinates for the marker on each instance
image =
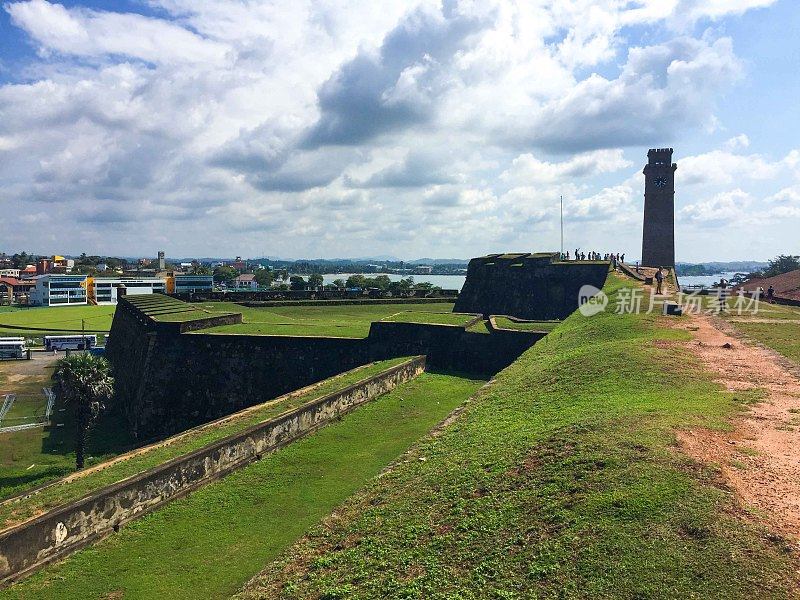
(335, 321)
(332, 321)
(35, 322)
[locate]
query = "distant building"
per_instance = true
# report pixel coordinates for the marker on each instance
(13, 289)
(28, 271)
(61, 265)
(102, 267)
(246, 281)
(59, 290)
(193, 284)
(105, 288)
(9, 273)
(162, 263)
(423, 270)
(43, 266)
(239, 264)
(62, 290)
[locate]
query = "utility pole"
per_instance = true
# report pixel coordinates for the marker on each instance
(83, 334)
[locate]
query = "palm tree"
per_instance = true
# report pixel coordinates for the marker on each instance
(84, 381)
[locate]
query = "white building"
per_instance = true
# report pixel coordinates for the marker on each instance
(9, 273)
(246, 281)
(105, 289)
(69, 290)
(59, 290)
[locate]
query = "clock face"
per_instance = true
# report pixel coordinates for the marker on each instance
(661, 182)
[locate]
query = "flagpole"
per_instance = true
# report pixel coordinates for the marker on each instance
(562, 224)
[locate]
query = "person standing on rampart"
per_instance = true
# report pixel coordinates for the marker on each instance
(659, 281)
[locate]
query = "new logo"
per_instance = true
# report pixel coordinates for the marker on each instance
(591, 300)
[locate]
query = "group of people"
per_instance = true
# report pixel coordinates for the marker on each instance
(591, 255)
(770, 295)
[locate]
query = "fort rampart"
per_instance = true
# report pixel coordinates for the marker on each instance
(62, 531)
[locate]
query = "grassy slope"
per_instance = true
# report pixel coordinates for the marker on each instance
(208, 544)
(47, 499)
(336, 321)
(506, 323)
(560, 480)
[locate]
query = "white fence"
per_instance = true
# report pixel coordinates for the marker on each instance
(31, 421)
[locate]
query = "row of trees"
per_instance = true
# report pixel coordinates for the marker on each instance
(779, 265)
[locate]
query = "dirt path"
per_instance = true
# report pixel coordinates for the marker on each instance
(760, 458)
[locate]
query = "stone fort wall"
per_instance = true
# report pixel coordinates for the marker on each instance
(168, 380)
(528, 286)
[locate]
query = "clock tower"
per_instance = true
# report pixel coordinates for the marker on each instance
(658, 239)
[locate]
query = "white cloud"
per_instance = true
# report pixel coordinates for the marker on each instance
(86, 32)
(528, 170)
(449, 127)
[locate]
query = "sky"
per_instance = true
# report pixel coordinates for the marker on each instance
(350, 128)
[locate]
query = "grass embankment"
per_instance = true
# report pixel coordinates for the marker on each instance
(447, 318)
(146, 458)
(170, 310)
(331, 321)
(506, 323)
(560, 480)
(211, 542)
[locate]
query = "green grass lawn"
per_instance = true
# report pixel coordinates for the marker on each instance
(780, 336)
(11, 513)
(39, 321)
(333, 321)
(437, 318)
(210, 543)
(561, 480)
(506, 323)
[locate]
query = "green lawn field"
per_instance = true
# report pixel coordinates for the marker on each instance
(774, 325)
(333, 321)
(12, 470)
(437, 318)
(33, 456)
(562, 479)
(210, 543)
(36, 322)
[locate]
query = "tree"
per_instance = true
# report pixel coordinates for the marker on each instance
(381, 282)
(225, 274)
(315, 280)
(198, 269)
(356, 281)
(782, 264)
(297, 283)
(264, 277)
(338, 283)
(83, 381)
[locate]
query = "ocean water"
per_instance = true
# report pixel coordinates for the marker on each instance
(706, 280)
(446, 282)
